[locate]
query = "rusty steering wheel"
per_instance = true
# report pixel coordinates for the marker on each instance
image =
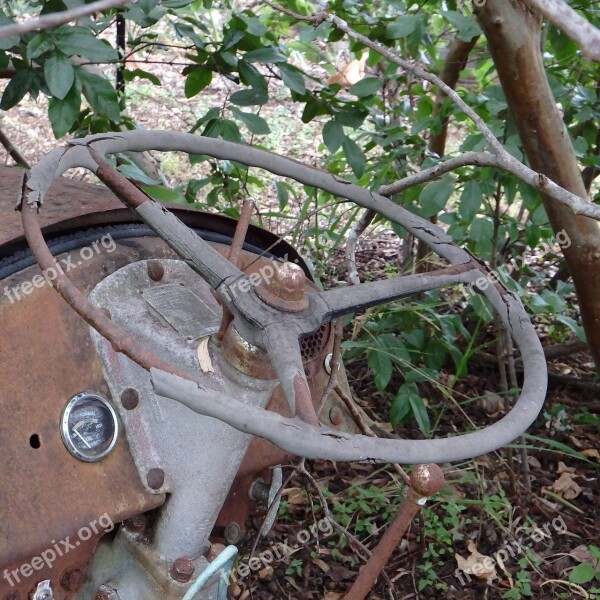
(275, 322)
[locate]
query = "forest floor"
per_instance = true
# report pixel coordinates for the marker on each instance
(538, 530)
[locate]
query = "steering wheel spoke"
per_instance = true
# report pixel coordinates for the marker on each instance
(281, 342)
(342, 301)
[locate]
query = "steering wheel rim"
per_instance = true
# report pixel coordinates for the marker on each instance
(322, 442)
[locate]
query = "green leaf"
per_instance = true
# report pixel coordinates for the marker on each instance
(176, 3)
(400, 409)
(292, 78)
(282, 194)
(164, 195)
(380, 364)
(100, 94)
(38, 45)
(77, 40)
(254, 123)
(402, 26)
(249, 97)
(230, 131)
(251, 76)
(132, 171)
(481, 230)
(210, 115)
(573, 326)
(264, 55)
(16, 89)
(196, 81)
(59, 74)
(470, 200)
(131, 74)
(582, 573)
(355, 157)
(435, 196)
(333, 135)
(314, 107)
(365, 87)
(254, 25)
(420, 412)
(466, 26)
(63, 113)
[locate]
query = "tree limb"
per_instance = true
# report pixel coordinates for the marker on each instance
(571, 23)
(58, 18)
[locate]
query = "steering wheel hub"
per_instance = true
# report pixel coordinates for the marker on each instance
(285, 290)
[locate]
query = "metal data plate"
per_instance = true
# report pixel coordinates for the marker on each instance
(188, 314)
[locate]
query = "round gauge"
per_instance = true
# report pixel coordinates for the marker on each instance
(89, 427)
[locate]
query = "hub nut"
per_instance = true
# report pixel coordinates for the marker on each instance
(285, 289)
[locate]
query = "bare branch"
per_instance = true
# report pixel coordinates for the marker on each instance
(578, 28)
(356, 231)
(58, 18)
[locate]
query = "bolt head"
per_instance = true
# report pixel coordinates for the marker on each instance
(155, 478)
(182, 569)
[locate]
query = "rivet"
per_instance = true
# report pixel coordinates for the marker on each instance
(155, 270)
(130, 398)
(155, 478)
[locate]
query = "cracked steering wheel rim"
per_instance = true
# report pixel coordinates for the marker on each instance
(295, 435)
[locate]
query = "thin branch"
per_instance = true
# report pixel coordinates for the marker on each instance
(13, 150)
(571, 23)
(58, 18)
(355, 232)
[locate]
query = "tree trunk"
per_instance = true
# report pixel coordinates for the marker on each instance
(513, 32)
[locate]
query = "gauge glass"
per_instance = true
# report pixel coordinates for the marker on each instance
(89, 427)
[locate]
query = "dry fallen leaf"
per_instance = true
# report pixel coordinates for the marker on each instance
(333, 596)
(204, 356)
(562, 468)
(351, 73)
(321, 564)
(534, 463)
(591, 453)
(582, 554)
(479, 565)
(566, 486)
(295, 496)
(266, 572)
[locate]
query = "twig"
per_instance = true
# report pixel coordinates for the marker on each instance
(58, 18)
(579, 29)
(338, 332)
(355, 232)
(12, 150)
(497, 157)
